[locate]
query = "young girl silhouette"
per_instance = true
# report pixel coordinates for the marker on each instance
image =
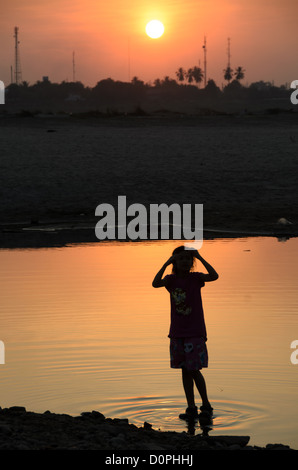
(188, 334)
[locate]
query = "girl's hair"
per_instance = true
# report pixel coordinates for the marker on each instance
(177, 250)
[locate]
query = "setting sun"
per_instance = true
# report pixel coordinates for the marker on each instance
(155, 29)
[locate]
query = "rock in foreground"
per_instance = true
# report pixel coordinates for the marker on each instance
(26, 430)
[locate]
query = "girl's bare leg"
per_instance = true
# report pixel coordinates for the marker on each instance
(201, 386)
(188, 380)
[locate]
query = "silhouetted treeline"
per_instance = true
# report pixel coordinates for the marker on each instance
(112, 95)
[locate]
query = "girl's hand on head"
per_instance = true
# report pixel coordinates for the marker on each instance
(171, 260)
(194, 252)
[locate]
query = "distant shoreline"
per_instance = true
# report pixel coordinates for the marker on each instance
(64, 233)
(55, 171)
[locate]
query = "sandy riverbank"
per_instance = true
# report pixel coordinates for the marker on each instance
(243, 169)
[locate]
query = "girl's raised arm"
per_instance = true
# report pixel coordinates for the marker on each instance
(158, 281)
(212, 274)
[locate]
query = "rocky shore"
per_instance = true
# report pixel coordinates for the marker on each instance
(25, 430)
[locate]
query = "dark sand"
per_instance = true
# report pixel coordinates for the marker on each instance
(242, 168)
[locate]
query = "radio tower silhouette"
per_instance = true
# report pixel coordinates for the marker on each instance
(17, 72)
(229, 52)
(205, 61)
(73, 67)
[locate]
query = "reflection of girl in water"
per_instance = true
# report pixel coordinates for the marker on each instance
(187, 333)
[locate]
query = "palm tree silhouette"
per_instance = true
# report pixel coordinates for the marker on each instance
(192, 74)
(189, 75)
(239, 73)
(197, 74)
(228, 74)
(181, 74)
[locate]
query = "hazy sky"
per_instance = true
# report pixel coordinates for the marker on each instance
(109, 38)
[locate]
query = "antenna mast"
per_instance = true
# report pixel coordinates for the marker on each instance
(18, 73)
(128, 58)
(73, 68)
(205, 61)
(229, 53)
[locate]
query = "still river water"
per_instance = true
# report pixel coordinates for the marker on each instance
(84, 330)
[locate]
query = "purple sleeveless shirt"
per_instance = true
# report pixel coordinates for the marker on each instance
(187, 315)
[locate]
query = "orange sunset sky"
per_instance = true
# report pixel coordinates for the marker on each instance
(109, 38)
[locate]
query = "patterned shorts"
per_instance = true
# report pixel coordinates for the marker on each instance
(188, 353)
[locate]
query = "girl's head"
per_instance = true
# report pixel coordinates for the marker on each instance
(183, 260)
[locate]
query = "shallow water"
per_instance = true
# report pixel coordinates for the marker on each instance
(84, 330)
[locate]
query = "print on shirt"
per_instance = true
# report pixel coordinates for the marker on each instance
(179, 296)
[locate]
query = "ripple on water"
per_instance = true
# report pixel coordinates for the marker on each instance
(163, 413)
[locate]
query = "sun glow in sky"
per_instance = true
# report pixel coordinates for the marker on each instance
(155, 29)
(106, 37)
